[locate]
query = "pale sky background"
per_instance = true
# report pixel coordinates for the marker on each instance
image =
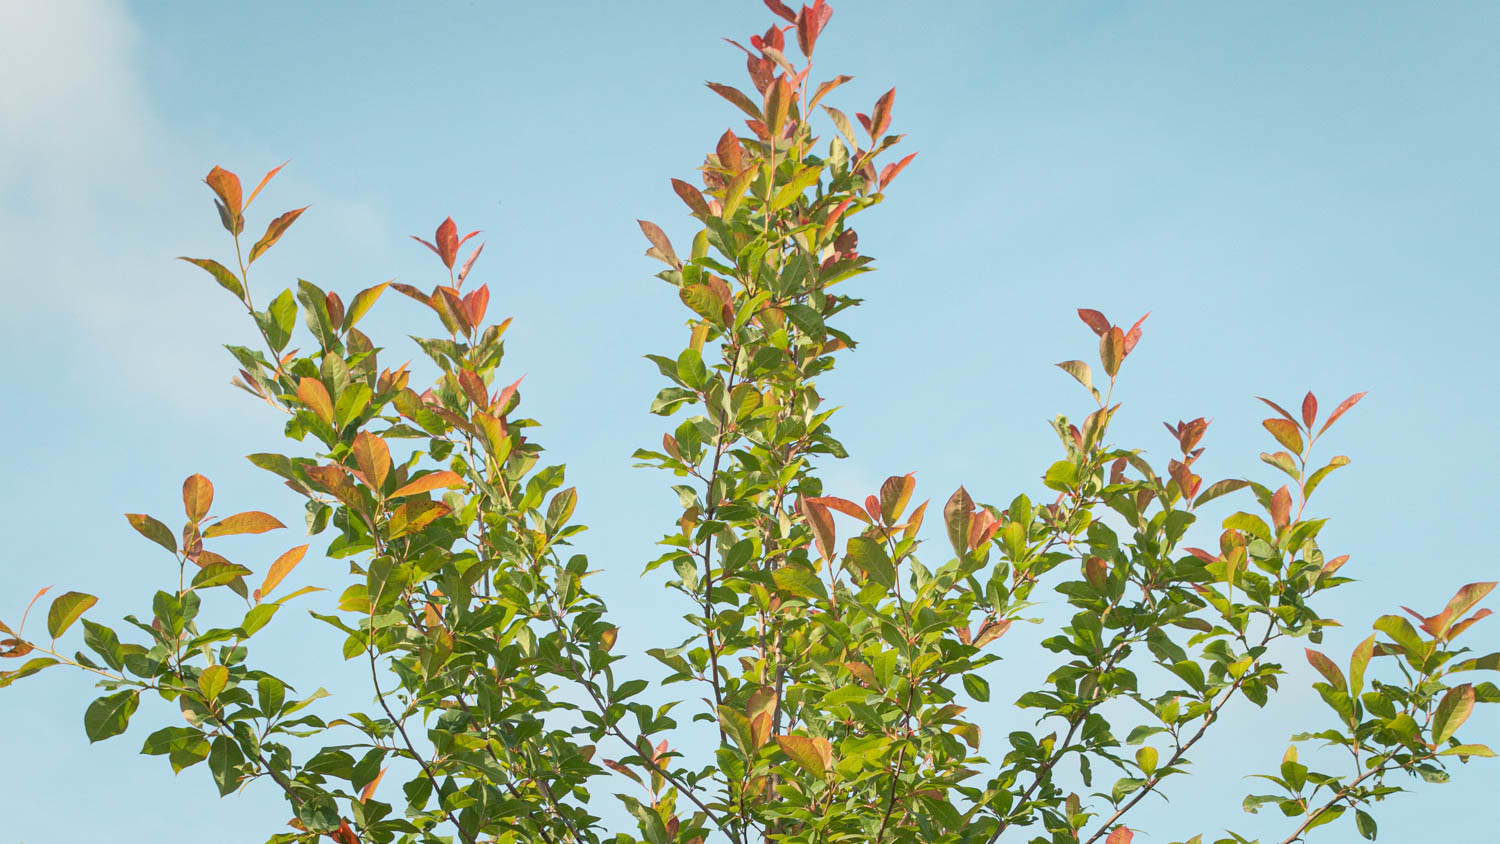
(1303, 195)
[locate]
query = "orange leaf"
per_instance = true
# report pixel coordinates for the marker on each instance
(280, 569)
(252, 521)
(429, 482)
(814, 755)
(369, 790)
(1121, 835)
(274, 231)
(197, 496)
(1281, 507)
(848, 508)
(374, 459)
(226, 186)
(264, 179)
(313, 394)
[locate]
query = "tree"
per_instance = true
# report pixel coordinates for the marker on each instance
(832, 672)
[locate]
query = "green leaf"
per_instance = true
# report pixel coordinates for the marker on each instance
(798, 581)
(104, 642)
(788, 193)
(869, 557)
(282, 318)
(66, 609)
(110, 715)
(1452, 711)
(807, 320)
(691, 370)
(221, 274)
(153, 530)
(977, 687)
(224, 759)
(218, 574)
(1365, 824)
(160, 742)
(1218, 489)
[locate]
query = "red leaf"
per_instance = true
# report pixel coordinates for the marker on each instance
(426, 244)
(1309, 410)
(447, 242)
(810, 22)
(473, 387)
(1279, 409)
(1202, 555)
(659, 240)
(502, 399)
(782, 10)
(1133, 336)
(728, 150)
(465, 239)
(821, 522)
(891, 170)
(691, 196)
(1095, 320)
(880, 117)
(469, 264)
(872, 506)
(1339, 411)
(335, 307)
(1121, 835)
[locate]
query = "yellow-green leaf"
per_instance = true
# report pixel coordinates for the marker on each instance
(814, 755)
(66, 609)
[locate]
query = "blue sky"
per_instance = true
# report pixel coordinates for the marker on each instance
(1304, 196)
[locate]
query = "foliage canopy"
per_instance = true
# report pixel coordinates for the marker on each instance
(839, 676)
